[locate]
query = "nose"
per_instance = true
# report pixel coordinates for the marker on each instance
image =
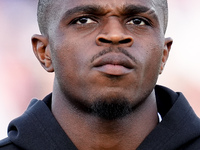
(113, 33)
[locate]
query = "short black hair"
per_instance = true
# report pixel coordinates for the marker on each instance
(43, 15)
(164, 6)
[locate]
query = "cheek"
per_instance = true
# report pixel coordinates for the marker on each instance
(71, 65)
(67, 61)
(149, 56)
(152, 63)
(71, 62)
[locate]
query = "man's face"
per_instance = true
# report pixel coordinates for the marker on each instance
(107, 50)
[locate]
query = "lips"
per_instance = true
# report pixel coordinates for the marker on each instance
(114, 64)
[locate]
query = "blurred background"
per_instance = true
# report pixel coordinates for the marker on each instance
(22, 78)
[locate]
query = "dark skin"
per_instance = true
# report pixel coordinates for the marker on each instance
(99, 52)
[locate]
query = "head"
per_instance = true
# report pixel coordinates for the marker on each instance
(106, 55)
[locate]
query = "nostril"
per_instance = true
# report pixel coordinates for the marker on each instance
(104, 40)
(120, 42)
(125, 41)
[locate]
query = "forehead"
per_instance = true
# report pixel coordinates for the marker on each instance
(65, 5)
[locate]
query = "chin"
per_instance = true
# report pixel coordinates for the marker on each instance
(111, 109)
(107, 108)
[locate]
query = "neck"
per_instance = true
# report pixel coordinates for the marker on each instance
(90, 132)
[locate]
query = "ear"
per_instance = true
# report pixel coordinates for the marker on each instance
(167, 48)
(42, 51)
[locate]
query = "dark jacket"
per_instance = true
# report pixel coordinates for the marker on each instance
(37, 129)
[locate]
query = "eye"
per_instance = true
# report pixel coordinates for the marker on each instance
(138, 21)
(83, 20)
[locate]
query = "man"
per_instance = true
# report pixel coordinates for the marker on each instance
(106, 56)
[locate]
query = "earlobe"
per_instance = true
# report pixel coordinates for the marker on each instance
(41, 50)
(167, 48)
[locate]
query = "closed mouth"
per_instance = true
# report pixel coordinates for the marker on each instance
(114, 64)
(114, 59)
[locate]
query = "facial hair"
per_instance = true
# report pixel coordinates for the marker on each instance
(114, 110)
(105, 108)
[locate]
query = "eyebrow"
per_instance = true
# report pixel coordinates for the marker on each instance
(136, 9)
(87, 9)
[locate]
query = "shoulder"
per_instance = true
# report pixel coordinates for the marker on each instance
(6, 144)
